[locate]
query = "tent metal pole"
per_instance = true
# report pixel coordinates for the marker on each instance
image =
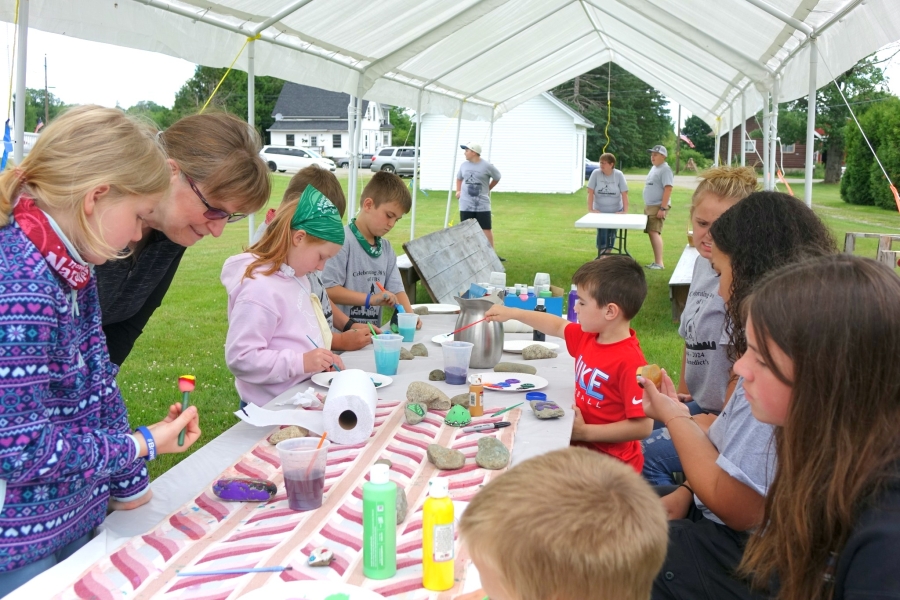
(415, 181)
(491, 133)
(718, 140)
(730, 133)
(356, 142)
(351, 165)
(810, 123)
(251, 114)
(743, 128)
(773, 137)
(766, 133)
(21, 100)
(453, 174)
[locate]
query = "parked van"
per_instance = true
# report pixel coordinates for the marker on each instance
(292, 159)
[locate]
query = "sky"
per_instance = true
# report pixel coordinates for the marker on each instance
(124, 76)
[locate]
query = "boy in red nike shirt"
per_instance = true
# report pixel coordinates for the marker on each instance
(609, 414)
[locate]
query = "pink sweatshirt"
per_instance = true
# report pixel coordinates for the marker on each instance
(269, 318)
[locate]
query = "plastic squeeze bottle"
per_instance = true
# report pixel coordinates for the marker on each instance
(437, 538)
(537, 336)
(379, 524)
(571, 315)
(476, 398)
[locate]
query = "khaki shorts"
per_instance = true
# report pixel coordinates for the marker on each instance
(653, 223)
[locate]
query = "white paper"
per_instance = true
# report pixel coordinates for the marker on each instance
(312, 420)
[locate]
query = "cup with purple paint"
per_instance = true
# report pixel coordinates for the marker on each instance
(303, 466)
(456, 361)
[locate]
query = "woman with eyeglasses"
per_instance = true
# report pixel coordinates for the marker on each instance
(217, 177)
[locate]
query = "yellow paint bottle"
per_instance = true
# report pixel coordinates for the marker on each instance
(476, 400)
(437, 538)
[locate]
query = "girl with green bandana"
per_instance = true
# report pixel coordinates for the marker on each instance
(274, 336)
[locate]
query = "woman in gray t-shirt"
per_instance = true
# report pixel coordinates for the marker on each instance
(607, 192)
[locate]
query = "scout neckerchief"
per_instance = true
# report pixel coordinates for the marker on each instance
(34, 223)
(373, 251)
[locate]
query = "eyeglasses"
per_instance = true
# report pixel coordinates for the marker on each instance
(213, 214)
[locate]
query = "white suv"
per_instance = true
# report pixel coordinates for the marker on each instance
(291, 158)
(400, 160)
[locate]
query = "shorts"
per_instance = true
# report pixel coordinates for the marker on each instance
(482, 216)
(653, 223)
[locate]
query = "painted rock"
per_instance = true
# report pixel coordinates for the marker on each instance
(536, 351)
(245, 489)
(286, 433)
(320, 557)
(446, 459)
(546, 410)
(430, 396)
(415, 413)
(419, 350)
(458, 417)
(510, 367)
(492, 454)
(406, 354)
(436, 375)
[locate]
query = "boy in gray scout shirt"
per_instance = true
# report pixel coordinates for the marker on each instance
(474, 182)
(366, 259)
(657, 194)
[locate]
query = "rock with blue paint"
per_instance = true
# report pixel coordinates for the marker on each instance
(320, 557)
(245, 489)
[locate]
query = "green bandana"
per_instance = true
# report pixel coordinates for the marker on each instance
(317, 216)
(373, 251)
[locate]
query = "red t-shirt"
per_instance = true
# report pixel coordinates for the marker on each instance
(606, 389)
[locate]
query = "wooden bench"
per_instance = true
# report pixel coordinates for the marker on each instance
(680, 282)
(409, 275)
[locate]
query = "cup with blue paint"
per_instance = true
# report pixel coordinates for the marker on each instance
(406, 324)
(387, 353)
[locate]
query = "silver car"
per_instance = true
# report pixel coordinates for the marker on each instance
(400, 160)
(291, 158)
(365, 161)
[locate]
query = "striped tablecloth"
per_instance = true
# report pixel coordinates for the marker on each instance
(209, 534)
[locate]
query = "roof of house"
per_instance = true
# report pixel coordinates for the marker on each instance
(304, 101)
(319, 125)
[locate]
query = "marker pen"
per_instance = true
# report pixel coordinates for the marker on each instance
(487, 426)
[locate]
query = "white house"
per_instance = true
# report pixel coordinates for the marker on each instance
(314, 118)
(538, 146)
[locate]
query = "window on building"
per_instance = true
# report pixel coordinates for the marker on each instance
(749, 146)
(387, 139)
(312, 140)
(336, 140)
(788, 148)
(289, 139)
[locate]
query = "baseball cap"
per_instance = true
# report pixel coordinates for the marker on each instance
(659, 148)
(476, 148)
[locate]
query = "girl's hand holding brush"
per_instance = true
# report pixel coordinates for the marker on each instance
(320, 359)
(165, 433)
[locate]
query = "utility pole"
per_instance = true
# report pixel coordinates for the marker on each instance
(46, 95)
(678, 143)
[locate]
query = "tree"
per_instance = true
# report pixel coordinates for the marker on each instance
(699, 132)
(864, 182)
(863, 83)
(638, 119)
(231, 97)
(404, 133)
(162, 116)
(34, 107)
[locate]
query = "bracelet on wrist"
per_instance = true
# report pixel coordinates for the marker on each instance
(349, 325)
(686, 486)
(368, 298)
(151, 443)
(679, 417)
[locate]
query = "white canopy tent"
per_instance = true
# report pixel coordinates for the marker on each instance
(477, 59)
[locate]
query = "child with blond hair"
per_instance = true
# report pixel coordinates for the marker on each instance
(597, 532)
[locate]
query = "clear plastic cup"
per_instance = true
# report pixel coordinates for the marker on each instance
(387, 352)
(456, 361)
(303, 466)
(541, 279)
(406, 323)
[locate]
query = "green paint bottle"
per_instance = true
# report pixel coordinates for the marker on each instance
(379, 524)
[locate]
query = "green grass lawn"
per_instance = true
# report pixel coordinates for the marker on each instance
(533, 232)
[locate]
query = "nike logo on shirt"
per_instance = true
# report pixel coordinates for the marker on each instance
(636, 400)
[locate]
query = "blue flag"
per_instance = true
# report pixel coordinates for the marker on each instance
(7, 146)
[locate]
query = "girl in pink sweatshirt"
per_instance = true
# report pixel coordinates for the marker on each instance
(272, 323)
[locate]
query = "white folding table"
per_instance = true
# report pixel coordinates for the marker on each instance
(621, 223)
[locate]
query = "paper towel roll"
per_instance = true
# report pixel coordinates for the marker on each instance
(349, 412)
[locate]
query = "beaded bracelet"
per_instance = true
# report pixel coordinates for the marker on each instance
(679, 417)
(368, 297)
(151, 443)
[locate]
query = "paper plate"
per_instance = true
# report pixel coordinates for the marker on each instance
(516, 382)
(516, 346)
(441, 338)
(439, 309)
(324, 379)
(311, 590)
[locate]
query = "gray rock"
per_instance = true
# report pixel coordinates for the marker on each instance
(460, 399)
(430, 396)
(406, 354)
(287, 433)
(546, 410)
(509, 367)
(402, 505)
(419, 350)
(415, 413)
(536, 351)
(421, 310)
(436, 375)
(492, 454)
(445, 459)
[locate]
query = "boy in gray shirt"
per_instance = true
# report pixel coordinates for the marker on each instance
(352, 277)
(657, 196)
(474, 182)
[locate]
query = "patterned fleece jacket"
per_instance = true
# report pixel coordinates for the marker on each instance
(65, 446)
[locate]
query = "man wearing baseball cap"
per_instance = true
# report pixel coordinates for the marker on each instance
(474, 182)
(657, 199)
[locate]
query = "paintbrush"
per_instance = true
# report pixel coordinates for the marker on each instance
(186, 385)
(507, 409)
(336, 368)
(466, 327)
(235, 571)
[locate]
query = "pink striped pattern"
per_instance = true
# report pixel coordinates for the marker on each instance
(209, 534)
